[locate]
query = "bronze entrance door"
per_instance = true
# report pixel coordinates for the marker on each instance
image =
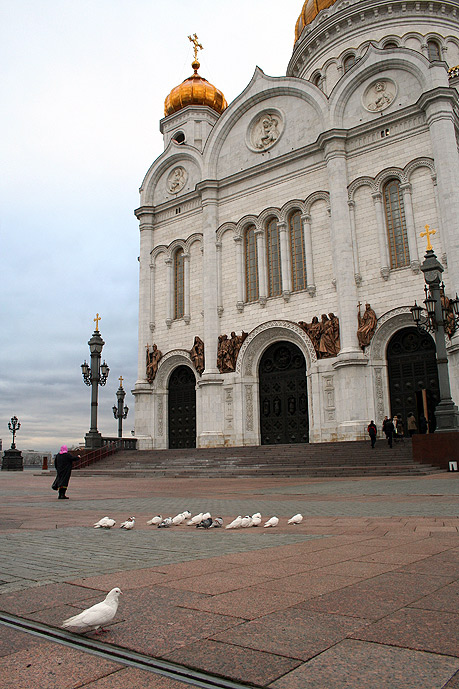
(182, 408)
(412, 367)
(283, 395)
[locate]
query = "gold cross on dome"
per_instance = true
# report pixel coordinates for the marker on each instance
(96, 321)
(121, 381)
(197, 45)
(427, 234)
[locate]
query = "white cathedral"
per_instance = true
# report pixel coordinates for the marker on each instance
(280, 245)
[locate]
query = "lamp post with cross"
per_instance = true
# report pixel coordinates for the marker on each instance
(93, 376)
(446, 412)
(119, 411)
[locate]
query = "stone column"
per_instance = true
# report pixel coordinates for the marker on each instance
(152, 296)
(240, 272)
(439, 108)
(382, 236)
(307, 237)
(355, 248)
(410, 228)
(350, 384)
(218, 247)
(186, 288)
(169, 291)
(286, 267)
(210, 404)
(261, 267)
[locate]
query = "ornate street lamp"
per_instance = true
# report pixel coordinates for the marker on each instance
(93, 376)
(12, 459)
(119, 412)
(14, 425)
(433, 319)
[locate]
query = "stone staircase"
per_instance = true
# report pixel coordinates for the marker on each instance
(343, 459)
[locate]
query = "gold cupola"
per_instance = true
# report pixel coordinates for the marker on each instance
(195, 90)
(311, 9)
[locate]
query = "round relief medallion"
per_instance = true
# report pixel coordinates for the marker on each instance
(265, 130)
(379, 95)
(176, 180)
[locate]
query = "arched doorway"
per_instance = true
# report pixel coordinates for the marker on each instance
(283, 395)
(182, 408)
(413, 375)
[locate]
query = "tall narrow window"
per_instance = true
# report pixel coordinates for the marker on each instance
(396, 225)
(433, 51)
(251, 267)
(179, 284)
(297, 253)
(348, 62)
(273, 256)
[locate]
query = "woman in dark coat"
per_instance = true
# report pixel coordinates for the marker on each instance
(63, 463)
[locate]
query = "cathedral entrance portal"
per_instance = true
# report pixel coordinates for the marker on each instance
(182, 408)
(283, 395)
(413, 375)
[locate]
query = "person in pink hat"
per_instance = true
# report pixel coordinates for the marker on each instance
(63, 463)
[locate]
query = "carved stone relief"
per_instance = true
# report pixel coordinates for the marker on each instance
(160, 417)
(265, 130)
(229, 409)
(379, 389)
(177, 179)
(249, 407)
(379, 95)
(329, 399)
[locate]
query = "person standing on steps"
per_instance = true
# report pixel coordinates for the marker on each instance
(411, 425)
(372, 431)
(389, 428)
(63, 463)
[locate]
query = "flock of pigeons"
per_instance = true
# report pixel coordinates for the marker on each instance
(203, 520)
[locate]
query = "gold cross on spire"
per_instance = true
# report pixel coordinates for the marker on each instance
(427, 234)
(197, 46)
(96, 321)
(121, 381)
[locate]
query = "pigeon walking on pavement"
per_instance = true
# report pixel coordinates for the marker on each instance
(105, 523)
(96, 616)
(235, 524)
(128, 524)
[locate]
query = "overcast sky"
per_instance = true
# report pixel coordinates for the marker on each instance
(83, 84)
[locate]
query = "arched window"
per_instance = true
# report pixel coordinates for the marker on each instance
(297, 253)
(179, 284)
(396, 224)
(348, 62)
(433, 51)
(316, 79)
(273, 256)
(390, 44)
(251, 264)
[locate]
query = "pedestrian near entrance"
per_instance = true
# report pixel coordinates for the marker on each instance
(399, 428)
(388, 428)
(411, 424)
(372, 431)
(63, 463)
(423, 426)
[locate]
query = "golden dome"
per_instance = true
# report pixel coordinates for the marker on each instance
(194, 91)
(311, 9)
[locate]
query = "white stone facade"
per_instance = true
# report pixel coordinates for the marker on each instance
(327, 152)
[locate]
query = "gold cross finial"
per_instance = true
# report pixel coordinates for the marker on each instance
(96, 321)
(427, 234)
(197, 46)
(121, 381)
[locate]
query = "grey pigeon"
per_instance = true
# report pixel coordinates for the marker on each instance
(217, 523)
(205, 524)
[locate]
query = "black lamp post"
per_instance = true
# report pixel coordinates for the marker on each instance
(12, 459)
(119, 412)
(446, 412)
(14, 425)
(94, 376)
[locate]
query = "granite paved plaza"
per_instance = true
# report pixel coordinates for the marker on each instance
(363, 593)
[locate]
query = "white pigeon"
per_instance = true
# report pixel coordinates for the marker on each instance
(256, 515)
(197, 519)
(128, 524)
(296, 519)
(105, 523)
(256, 520)
(206, 515)
(235, 524)
(166, 523)
(246, 522)
(155, 520)
(95, 616)
(274, 521)
(217, 523)
(178, 519)
(186, 514)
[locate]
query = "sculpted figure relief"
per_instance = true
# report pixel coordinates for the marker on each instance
(228, 350)
(197, 355)
(367, 326)
(378, 96)
(266, 132)
(324, 335)
(176, 180)
(153, 358)
(450, 322)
